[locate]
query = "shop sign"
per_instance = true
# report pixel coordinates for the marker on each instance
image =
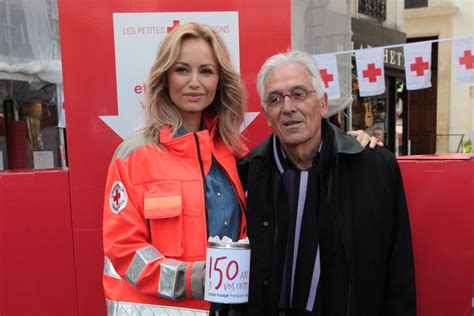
(393, 57)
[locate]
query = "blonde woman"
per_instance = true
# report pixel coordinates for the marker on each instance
(175, 183)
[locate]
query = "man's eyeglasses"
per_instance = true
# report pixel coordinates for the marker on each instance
(297, 95)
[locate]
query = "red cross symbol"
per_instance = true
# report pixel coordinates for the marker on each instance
(372, 73)
(467, 60)
(419, 66)
(170, 28)
(327, 77)
(117, 196)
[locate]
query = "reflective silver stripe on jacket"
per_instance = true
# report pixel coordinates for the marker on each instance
(197, 290)
(134, 309)
(142, 258)
(172, 284)
(109, 269)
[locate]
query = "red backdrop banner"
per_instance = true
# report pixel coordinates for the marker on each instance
(90, 81)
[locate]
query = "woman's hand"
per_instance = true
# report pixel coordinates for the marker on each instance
(364, 139)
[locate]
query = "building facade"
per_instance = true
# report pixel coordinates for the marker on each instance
(378, 23)
(450, 117)
(338, 26)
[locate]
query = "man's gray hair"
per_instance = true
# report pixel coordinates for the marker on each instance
(292, 57)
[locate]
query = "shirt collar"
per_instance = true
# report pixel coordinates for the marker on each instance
(281, 159)
(182, 131)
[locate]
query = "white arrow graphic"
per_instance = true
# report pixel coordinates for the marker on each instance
(135, 53)
(128, 120)
(249, 117)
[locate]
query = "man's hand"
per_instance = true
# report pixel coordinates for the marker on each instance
(364, 139)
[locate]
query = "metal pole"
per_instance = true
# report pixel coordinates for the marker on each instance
(349, 117)
(8, 28)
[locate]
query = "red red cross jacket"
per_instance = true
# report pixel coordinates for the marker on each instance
(155, 232)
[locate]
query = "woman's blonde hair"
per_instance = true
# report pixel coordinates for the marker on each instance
(228, 104)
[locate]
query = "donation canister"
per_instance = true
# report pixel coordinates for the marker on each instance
(227, 272)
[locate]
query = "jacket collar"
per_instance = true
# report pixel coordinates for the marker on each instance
(341, 142)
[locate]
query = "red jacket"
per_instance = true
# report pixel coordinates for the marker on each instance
(155, 233)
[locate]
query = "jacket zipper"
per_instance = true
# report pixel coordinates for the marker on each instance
(203, 177)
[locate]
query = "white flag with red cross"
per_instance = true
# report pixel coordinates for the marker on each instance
(370, 71)
(327, 64)
(463, 59)
(417, 65)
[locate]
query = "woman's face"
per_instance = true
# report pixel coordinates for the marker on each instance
(192, 80)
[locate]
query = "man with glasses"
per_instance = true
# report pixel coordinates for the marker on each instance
(327, 220)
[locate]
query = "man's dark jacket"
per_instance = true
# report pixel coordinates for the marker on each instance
(364, 188)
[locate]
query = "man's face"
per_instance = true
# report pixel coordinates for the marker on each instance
(378, 133)
(294, 122)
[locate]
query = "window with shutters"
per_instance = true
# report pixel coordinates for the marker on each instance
(412, 4)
